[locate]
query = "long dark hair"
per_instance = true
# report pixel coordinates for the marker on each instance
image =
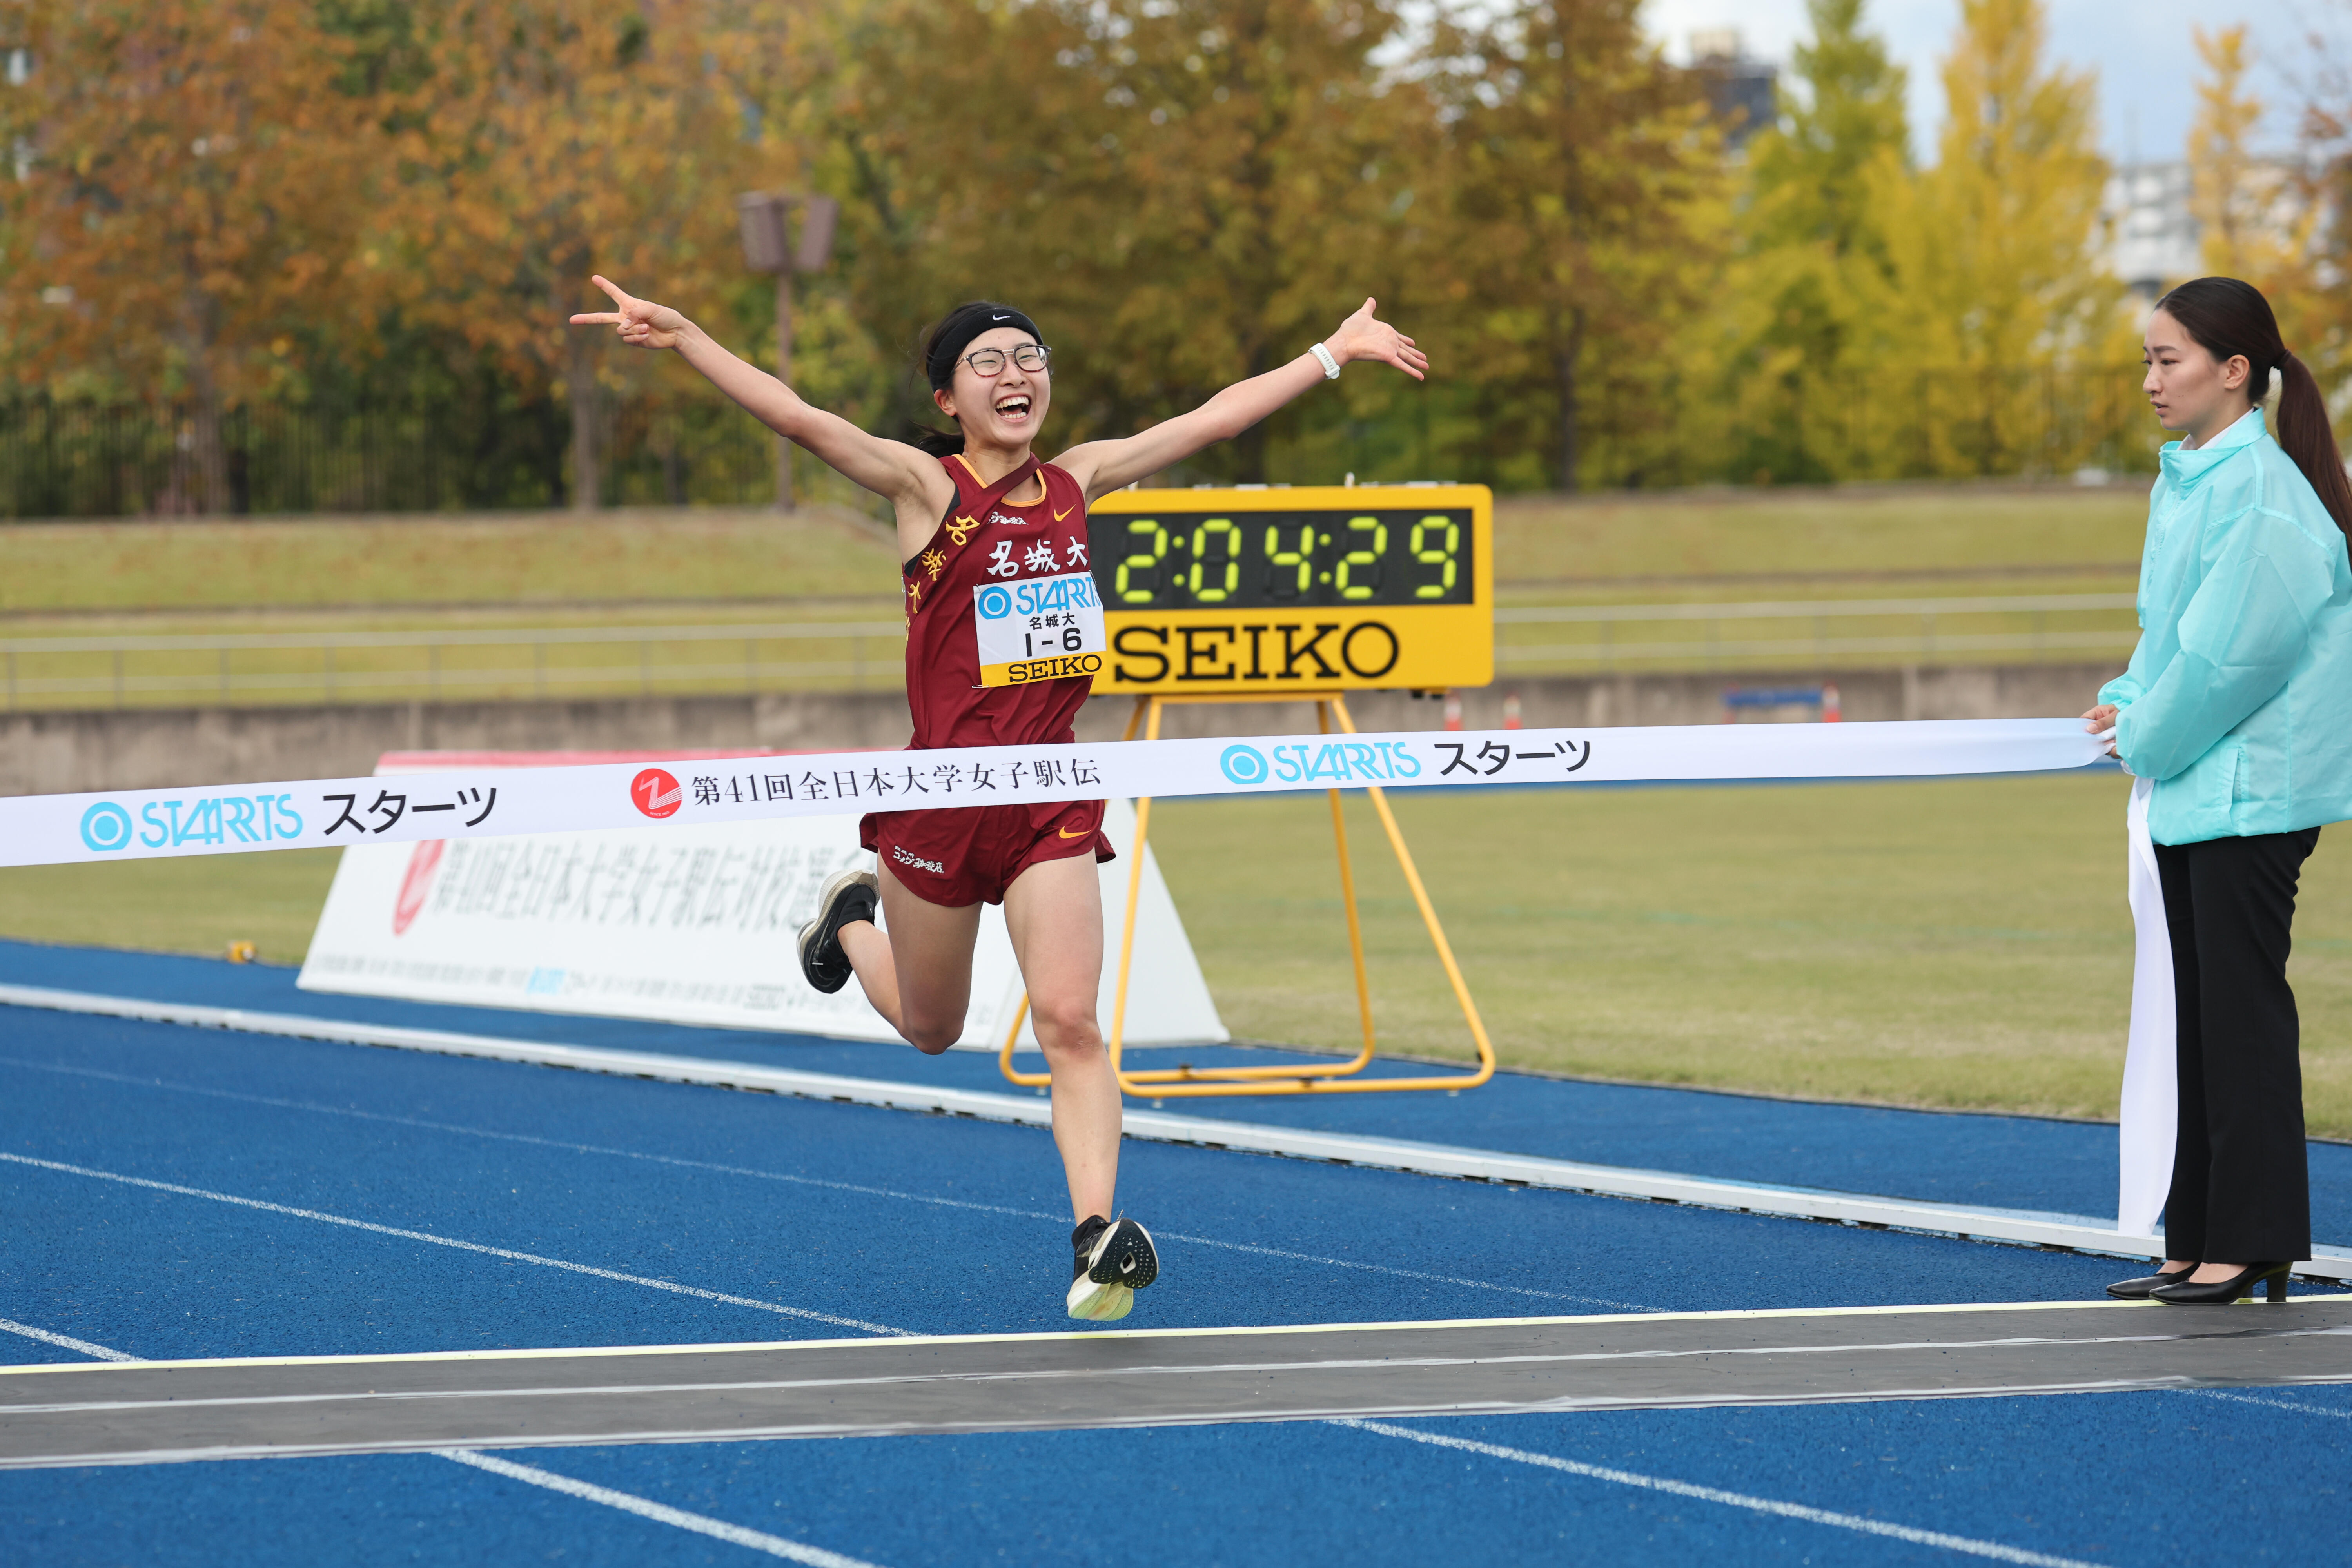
(944, 344)
(2229, 318)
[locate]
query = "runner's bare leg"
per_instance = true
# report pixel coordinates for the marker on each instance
(919, 974)
(1053, 913)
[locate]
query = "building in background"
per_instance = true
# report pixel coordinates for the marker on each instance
(1742, 93)
(2153, 238)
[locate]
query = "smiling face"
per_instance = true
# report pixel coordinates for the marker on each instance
(1004, 410)
(2189, 388)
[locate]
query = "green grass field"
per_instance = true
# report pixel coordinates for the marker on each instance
(202, 567)
(1796, 533)
(502, 559)
(1958, 943)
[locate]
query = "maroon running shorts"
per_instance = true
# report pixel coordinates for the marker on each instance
(971, 854)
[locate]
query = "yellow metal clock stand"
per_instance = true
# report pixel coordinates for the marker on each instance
(1338, 1077)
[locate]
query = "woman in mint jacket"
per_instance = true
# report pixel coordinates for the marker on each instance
(2238, 705)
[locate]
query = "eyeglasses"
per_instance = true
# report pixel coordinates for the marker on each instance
(1031, 357)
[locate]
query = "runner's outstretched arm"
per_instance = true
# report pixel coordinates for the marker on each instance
(1102, 466)
(904, 475)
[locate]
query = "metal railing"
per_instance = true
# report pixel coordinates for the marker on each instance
(430, 665)
(1911, 630)
(444, 664)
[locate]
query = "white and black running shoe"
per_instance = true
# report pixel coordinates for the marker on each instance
(850, 895)
(1114, 1260)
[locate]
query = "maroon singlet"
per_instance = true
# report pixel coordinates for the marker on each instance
(969, 855)
(982, 537)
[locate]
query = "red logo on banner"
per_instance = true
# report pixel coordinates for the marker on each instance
(655, 794)
(421, 864)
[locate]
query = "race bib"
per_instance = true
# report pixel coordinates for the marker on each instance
(1041, 629)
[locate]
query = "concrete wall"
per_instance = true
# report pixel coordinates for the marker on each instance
(150, 748)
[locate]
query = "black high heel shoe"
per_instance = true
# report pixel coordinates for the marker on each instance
(2272, 1275)
(2141, 1289)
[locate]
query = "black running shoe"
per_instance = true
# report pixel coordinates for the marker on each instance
(850, 895)
(1114, 1260)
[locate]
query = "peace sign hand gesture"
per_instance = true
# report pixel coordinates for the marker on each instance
(641, 322)
(1365, 336)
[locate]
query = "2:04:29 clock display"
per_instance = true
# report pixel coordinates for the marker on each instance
(1248, 560)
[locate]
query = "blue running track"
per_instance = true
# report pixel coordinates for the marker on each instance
(178, 1193)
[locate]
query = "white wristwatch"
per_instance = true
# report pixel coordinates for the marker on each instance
(1330, 366)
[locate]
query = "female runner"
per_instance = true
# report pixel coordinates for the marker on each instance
(976, 508)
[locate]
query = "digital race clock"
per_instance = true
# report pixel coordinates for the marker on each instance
(1253, 591)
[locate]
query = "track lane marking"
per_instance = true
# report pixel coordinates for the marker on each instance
(677, 1160)
(645, 1507)
(65, 1342)
(1729, 1315)
(2297, 1405)
(500, 1252)
(661, 1513)
(1047, 1374)
(1317, 1412)
(2004, 1227)
(1994, 1550)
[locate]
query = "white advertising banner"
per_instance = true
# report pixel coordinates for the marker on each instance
(691, 926)
(473, 801)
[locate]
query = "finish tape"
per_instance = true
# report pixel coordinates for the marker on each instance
(216, 819)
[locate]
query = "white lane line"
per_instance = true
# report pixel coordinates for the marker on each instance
(671, 1285)
(63, 1342)
(1855, 1521)
(2067, 1233)
(644, 1508)
(2299, 1407)
(1389, 1270)
(661, 1513)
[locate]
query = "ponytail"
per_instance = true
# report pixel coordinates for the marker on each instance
(938, 443)
(2304, 431)
(2228, 318)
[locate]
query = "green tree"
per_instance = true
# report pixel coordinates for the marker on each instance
(1995, 255)
(1584, 216)
(1810, 175)
(1806, 294)
(2256, 215)
(1183, 192)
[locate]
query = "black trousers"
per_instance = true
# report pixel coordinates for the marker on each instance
(2240, 1187)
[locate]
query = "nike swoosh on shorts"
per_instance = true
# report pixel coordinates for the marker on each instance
(1067, 833)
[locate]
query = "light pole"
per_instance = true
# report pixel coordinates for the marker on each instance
(763, 218)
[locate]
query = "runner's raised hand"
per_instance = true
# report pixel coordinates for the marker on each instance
(1365, 336)
(641, 322)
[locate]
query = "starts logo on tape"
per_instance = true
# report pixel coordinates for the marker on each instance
(217, 819)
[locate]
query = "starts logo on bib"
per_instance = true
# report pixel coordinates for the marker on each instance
(1042, 628)
(655, 794)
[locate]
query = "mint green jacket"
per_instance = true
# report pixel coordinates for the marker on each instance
(2237, 702)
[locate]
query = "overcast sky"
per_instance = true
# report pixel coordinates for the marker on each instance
(2141, 49)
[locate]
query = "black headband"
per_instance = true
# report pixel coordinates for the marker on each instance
(952, 336)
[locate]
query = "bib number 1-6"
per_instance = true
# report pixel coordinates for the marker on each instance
(1043, 628)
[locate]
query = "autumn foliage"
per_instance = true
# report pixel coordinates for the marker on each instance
(227, 204)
